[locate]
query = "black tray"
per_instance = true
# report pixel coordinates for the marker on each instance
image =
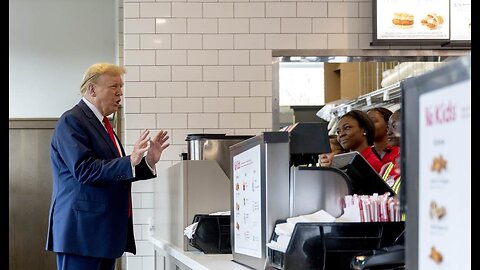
(331, 246)
(212, 235)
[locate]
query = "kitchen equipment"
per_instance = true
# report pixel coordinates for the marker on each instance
(198, 184)
(274, 177)
(212, 235)
(333, 245)
(213, 147)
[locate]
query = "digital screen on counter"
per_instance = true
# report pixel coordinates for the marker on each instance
(247, 201)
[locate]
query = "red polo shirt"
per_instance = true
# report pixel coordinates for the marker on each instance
(391, 154)
(372, 159)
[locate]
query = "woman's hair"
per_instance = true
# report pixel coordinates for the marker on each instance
(384, 112)
(364, 122)
(95, 70)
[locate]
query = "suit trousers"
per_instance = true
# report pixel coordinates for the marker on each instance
(67, 261)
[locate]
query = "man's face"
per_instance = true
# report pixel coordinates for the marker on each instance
(107, 93)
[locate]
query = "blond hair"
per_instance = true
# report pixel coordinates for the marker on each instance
(95, 70)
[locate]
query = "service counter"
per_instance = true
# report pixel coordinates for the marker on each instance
(183, 190)
(191, 188)
(171, 257)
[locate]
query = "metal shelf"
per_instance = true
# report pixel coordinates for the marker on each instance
(379, 97)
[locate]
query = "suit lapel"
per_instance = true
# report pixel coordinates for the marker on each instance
(100, 128)
(119, 144)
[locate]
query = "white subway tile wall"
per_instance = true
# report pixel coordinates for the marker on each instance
(232, 89)
(191, 104)
(205, 66)
(165, 25)
(132, 105)
(155, 73)
(312, 41)
(217, 41)
(203, 120)
(140, 89)
(155, 10)
(218, 10)
(218, 104)
(166, 58)
(179, 135)
(133, 72)
(131, 42)
(171, 89)
(233, 57)
(233, 25)
(202, 89)
(156, 105)
(131, 10)
(155, 41)
(202, 57)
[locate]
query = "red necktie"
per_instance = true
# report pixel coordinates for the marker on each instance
(112, 137)
(110, 133)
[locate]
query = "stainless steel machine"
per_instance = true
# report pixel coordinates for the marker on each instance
(198, 184)
(274, 177)
(213, 147)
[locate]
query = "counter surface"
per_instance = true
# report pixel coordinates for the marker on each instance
(196, 259)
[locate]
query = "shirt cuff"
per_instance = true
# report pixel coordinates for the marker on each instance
(133, 169)
(154, 170)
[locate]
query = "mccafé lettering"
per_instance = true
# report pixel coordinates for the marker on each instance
(440, 114)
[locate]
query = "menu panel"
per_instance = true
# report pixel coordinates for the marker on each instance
(461, 17)
(445, 178)
(413, 19)
(247, 202)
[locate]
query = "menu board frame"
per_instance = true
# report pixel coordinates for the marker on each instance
(413, 22)
(413, 192)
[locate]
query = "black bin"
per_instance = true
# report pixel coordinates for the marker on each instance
(212, 235)
(331, 246)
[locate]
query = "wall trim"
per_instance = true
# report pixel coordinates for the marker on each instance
(32, 123)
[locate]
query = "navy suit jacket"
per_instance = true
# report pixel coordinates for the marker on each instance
(91, 186)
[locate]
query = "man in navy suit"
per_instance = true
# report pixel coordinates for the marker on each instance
(90, 221)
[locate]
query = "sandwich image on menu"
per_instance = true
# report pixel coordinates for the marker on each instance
(435, 255)
(436, 211)
(403, 20)
(438, 164)
(432, 21)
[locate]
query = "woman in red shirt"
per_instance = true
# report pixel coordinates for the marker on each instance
(390, 171)
(356, 132)
(386, 152)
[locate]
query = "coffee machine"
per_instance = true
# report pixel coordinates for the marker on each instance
(198, 184)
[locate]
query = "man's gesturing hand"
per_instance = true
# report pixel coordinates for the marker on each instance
(140, 147)
(157, 145)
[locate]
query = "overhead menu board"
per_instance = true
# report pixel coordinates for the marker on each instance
(461, 20)
(420, 22)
